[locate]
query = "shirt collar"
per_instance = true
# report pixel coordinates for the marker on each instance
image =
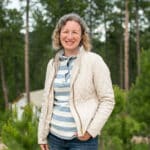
(62, 57)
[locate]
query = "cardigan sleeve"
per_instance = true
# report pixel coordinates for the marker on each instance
(105, 94)
(44, 109)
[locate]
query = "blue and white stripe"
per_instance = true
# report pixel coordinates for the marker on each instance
(62, 122)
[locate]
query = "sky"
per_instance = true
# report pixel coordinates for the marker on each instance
(14, 4)
(17, 5)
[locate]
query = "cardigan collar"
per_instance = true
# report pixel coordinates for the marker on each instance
(77, 63)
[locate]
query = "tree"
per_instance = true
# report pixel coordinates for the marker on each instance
(40, 38)
(2, 71)
(137, 36)
(27, 85)
(121, 126)
(4, 86)
(126, 47)
(10, 52)
(21, 134)
(54, 9)
(40, 50)
(144, 24)
(103, 15)
(139, 95)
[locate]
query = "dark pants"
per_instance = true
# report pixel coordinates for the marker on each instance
(56, 143)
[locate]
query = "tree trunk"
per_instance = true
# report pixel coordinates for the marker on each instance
(126, 47)
(121, 62)
(27, 85)
(4, 86)
(105, 28)
(137, 37)
(90, 18)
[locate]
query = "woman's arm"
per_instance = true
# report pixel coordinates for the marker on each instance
(105, 94)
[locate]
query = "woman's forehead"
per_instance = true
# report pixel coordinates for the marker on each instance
(72, 24)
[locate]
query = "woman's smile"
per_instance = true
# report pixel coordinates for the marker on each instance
(70, 37)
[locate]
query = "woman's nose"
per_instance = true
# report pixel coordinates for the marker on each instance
(70, 35)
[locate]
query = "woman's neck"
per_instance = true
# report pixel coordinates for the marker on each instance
(69, 53)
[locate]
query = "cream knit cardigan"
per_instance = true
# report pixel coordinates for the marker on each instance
(91, 95)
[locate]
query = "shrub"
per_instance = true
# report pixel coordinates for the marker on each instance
(121, 126)
(21, 134)
(139, 95)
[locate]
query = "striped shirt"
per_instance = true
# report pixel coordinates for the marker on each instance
(62, 123)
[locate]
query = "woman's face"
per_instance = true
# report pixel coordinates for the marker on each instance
(70, 36)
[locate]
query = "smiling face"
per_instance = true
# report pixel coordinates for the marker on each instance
(70, 37)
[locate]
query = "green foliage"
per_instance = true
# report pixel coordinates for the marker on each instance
(139, 95)
(140, 147)
(3, 118)
(55, 10)
(131, 114)
(40, 51)
(21, 134)
(120, 99)
(11, 54)
(115, 143)
(121, 126)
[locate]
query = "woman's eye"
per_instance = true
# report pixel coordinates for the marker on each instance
(65, 31)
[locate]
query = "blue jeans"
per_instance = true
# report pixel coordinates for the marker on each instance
(56, 143)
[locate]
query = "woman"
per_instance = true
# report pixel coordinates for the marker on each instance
(78, 94)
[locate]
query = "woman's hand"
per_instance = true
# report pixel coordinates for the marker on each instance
(44, 147)
(85, 137)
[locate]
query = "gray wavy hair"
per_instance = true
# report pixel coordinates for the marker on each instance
(85, 39)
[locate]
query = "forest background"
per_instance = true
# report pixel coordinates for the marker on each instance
(120, 33)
